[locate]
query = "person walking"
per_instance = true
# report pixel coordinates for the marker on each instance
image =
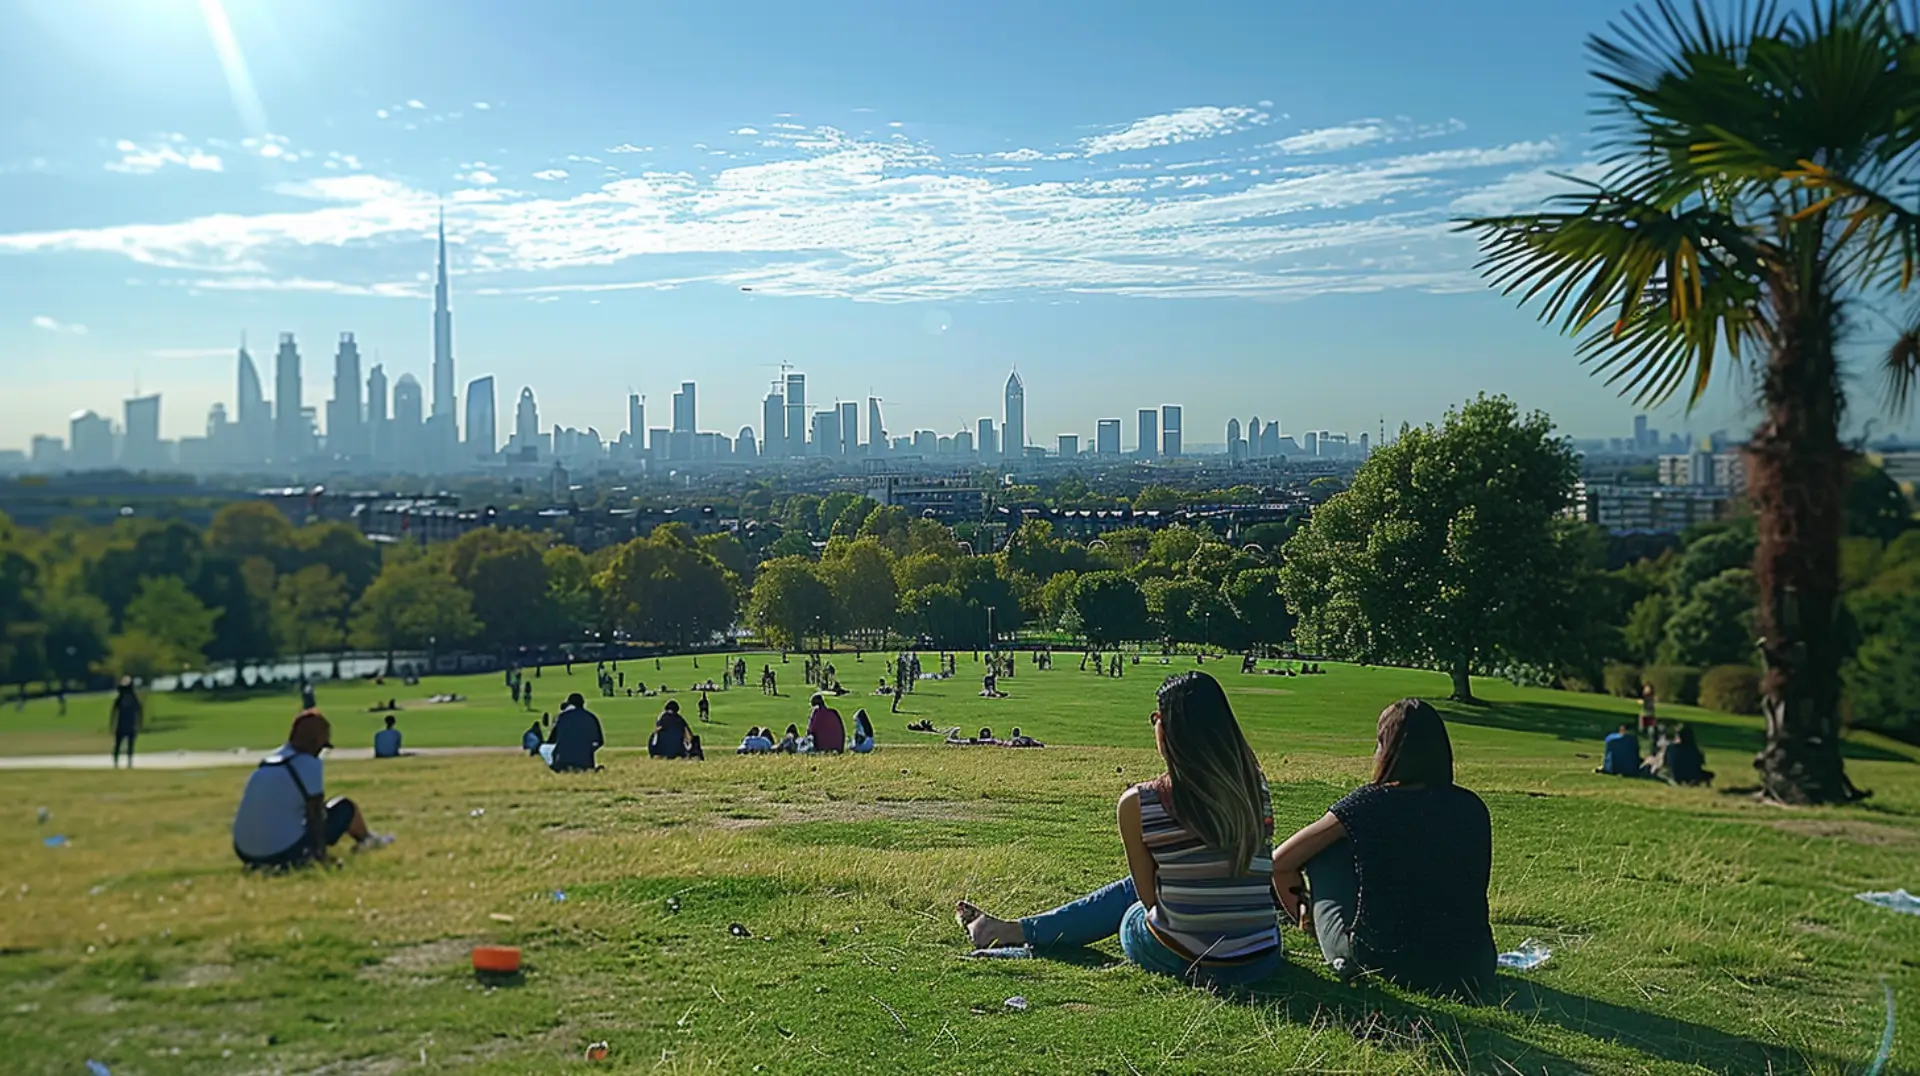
(128, 716)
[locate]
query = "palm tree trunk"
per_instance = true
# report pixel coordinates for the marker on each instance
(1796, 474)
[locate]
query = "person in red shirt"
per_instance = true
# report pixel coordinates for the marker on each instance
(828, 731)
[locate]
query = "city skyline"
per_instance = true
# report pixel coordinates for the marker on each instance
(1112, 214)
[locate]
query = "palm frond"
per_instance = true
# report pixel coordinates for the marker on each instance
(1901, 366)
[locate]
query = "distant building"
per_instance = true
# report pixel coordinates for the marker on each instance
(1236, 448)
(346, 438)
(826, 432)
(743, 445)
(948, 501)
(378, 419)
(876, 428)
(1069, 446)
(48, 453)
(482, 438)
(252, 414)
(290, 438)
(1639, 509)
(1312, 445)
(91, 438)
(796, 440)
(444, 405)
(407, 429)
(1721, 470)
(963, 443)
(850, 429)
(773, 424)
(1106, 438)
(1147, 435)
(986, 440)
(1013, 423)
(1170, 430)
(1902, 466)
(525, 444)
(140, 434)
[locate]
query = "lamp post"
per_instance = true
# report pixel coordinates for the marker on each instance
(990, 640)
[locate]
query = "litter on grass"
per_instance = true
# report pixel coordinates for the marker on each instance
(1529, 956)
(559, 896)
(95, 1068)
(58, 840)
(477, 812)
(1898, 901)
(43, 814)
(739, 931)
(598, 1051)
(1003, 952)
(1017, 1003)
(500, 917)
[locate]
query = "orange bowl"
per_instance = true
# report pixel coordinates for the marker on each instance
(496, 959)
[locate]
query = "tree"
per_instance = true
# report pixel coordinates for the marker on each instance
(165, 611)
(308, 611)
(860, 574)
(790, 601)
(663, 589)
(1647, 628)
(1185, 610)
(889, 524)
(850, 517)
(1883, 677)
(1110, 608)
(1450, 549)
(1757, 163)
(414, 603)
(1260, 605)
(572, 600)
(76, 641)
(250, 529)
(506, 571)
(243, 591)
(1876, 507)
(726, 549)
(342, 549)
(141, 657)
(1714, 626)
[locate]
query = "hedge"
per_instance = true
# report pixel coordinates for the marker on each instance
(1731, 689)
(1673, 683)
(1622, 680)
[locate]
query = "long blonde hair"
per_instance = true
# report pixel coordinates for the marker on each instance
(1214, 782)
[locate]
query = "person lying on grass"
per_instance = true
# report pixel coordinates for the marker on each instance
(1396, 873)
(284, 819)
(1197, 900)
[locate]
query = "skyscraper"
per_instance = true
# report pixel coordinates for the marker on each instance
(1106, 437)
(1641, 436)
(773, 424)
(526, 424)
(1236, 448)
(1013, 424)
(1255, 448)
(1312, 445)
(1147, 434)
(289, 426)
(1270, 440)
(796, 415)
(377, 422)
(90, 442)
(1170, 430)
(826, 432)
(443, 399)
(254, 416)
(685, 423)
(482, 437)
(986, 440)
(407, 427)
(743, 446)
(1069, 445)
(876, 428)
(346, 438)
(850, 429)
(637, 423)
(140, 434)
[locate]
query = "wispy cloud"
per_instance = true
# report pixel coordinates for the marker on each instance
(888, 218)
(1185, 125)
(481, 106)
(43, 322)
(747, 131)
(140, 160)
(1527, 190)
(1361, 133)
(628, 147)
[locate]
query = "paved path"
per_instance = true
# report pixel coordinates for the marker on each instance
(194, 760)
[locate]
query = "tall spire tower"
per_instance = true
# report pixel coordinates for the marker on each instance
(444, 405)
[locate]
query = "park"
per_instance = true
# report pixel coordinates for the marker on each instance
(793, 913)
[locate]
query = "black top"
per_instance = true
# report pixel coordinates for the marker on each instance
(576, 736)
(670, 734)
(126, 713)
(1685, 762)
(1422, 857)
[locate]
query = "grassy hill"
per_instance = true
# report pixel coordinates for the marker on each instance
(1693, 931)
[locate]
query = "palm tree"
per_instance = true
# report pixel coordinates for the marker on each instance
(1759, 197)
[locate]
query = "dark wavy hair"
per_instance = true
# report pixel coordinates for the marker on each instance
(1414, 749)
(1214, 782)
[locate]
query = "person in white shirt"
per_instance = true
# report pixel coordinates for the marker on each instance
(386, 742)
(284, 818)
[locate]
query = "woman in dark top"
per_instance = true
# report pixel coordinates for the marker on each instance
(1398, 869)
(1686, 765)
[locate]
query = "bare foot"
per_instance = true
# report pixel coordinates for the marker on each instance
(984, 930)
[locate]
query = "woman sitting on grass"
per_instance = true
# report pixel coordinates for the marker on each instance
(862, 732)
(1398, 869)
(284, 819)
(1197, 900)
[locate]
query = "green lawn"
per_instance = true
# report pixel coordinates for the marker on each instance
(1693, 931)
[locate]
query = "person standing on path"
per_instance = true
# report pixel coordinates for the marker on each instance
(128, 716)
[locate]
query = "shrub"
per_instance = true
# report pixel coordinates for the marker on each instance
(1622, 680)
(1731, 689)
(1673, 683)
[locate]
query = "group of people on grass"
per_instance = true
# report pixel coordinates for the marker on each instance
(1673, 753)
(1391, 880)
(826, 733)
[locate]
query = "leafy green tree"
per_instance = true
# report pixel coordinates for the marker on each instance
(76, 641)
(136, 654)
(164, 610)
(506, 572)
(1110, 608)
(889, 524)
(572, 600)
(860, 575)
(1714, 626)
(339, 547)
(1056, 598)
(726, 549)
(1259, 603)
(790, 602)
(945, 616)
(1450, 549)
(169, 550)
(663, 589)
(801, 513)
(1707, 558)
(848, 520)
(309, 611)
(794, 543)
(1876, 507)
(1759, 166)
(413, 604)
(1156, 498)
(1883, 676)
(250, 529)
(1647, 628)
(243, 592)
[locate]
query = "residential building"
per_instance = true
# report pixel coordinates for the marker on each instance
(1106, 438)
(1236, 448)
(406, 431)
(1641, 509)
(1170, 430)
(1147, 437)
(773, 423)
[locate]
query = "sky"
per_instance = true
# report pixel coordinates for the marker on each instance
(1243, 209)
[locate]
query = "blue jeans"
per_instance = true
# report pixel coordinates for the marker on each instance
(1115, 908)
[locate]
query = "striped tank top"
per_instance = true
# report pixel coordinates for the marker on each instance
(1207, 911)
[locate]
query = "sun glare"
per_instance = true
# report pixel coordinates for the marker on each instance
(234, 66)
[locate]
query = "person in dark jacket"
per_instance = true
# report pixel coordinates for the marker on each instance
(576, 736)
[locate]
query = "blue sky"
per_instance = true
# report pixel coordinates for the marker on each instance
(1239, 208)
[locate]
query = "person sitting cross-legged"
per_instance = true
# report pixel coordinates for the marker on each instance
(284, 818)
(386, 742)
(1620, 754)
(757, 741)
(576, 736)
(825, 728)
(672, 737)
(1196, 900)
(1395, 874)
(862, 732)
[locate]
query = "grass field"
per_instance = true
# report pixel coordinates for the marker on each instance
(1692, 930)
